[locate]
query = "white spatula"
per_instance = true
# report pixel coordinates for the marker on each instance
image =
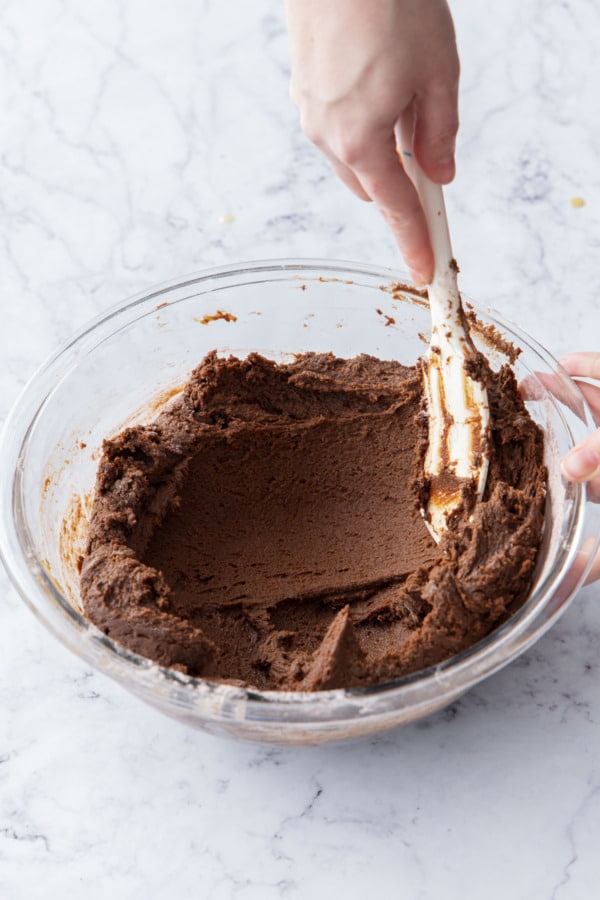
(456, 462)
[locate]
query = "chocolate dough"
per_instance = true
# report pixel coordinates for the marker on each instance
(265, 528)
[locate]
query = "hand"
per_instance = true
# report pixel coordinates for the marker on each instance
(583, 462)
(358, 68)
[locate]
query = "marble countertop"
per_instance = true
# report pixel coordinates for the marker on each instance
(142, 140)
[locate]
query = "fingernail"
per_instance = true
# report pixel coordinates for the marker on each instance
(580, 463)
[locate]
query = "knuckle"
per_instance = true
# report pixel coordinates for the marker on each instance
(350, 148)
(312, 128)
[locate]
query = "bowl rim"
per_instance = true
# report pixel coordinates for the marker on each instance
(36, 585)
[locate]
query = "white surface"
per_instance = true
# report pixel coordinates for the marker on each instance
(127, 130)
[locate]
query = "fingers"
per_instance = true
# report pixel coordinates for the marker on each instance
(582, 365)
(582, 560)
(375, 162)
(534, 387)
(583, 462)
(585, 365)
(367, 162)
(594, 572)
(436, 127)
(347, 176)
(573, 576)
(567, 391)
(591, 392)
(344, 172)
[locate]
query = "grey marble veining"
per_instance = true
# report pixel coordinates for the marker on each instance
(131, 132)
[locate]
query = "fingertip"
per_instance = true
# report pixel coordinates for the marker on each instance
(420, 278)
(445, 170)
(440, 169)
(421, 268)
(569, 362)
(418, 258)
(580, 463)
(582, 364)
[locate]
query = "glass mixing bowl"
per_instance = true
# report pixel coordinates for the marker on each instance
(128, 363)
